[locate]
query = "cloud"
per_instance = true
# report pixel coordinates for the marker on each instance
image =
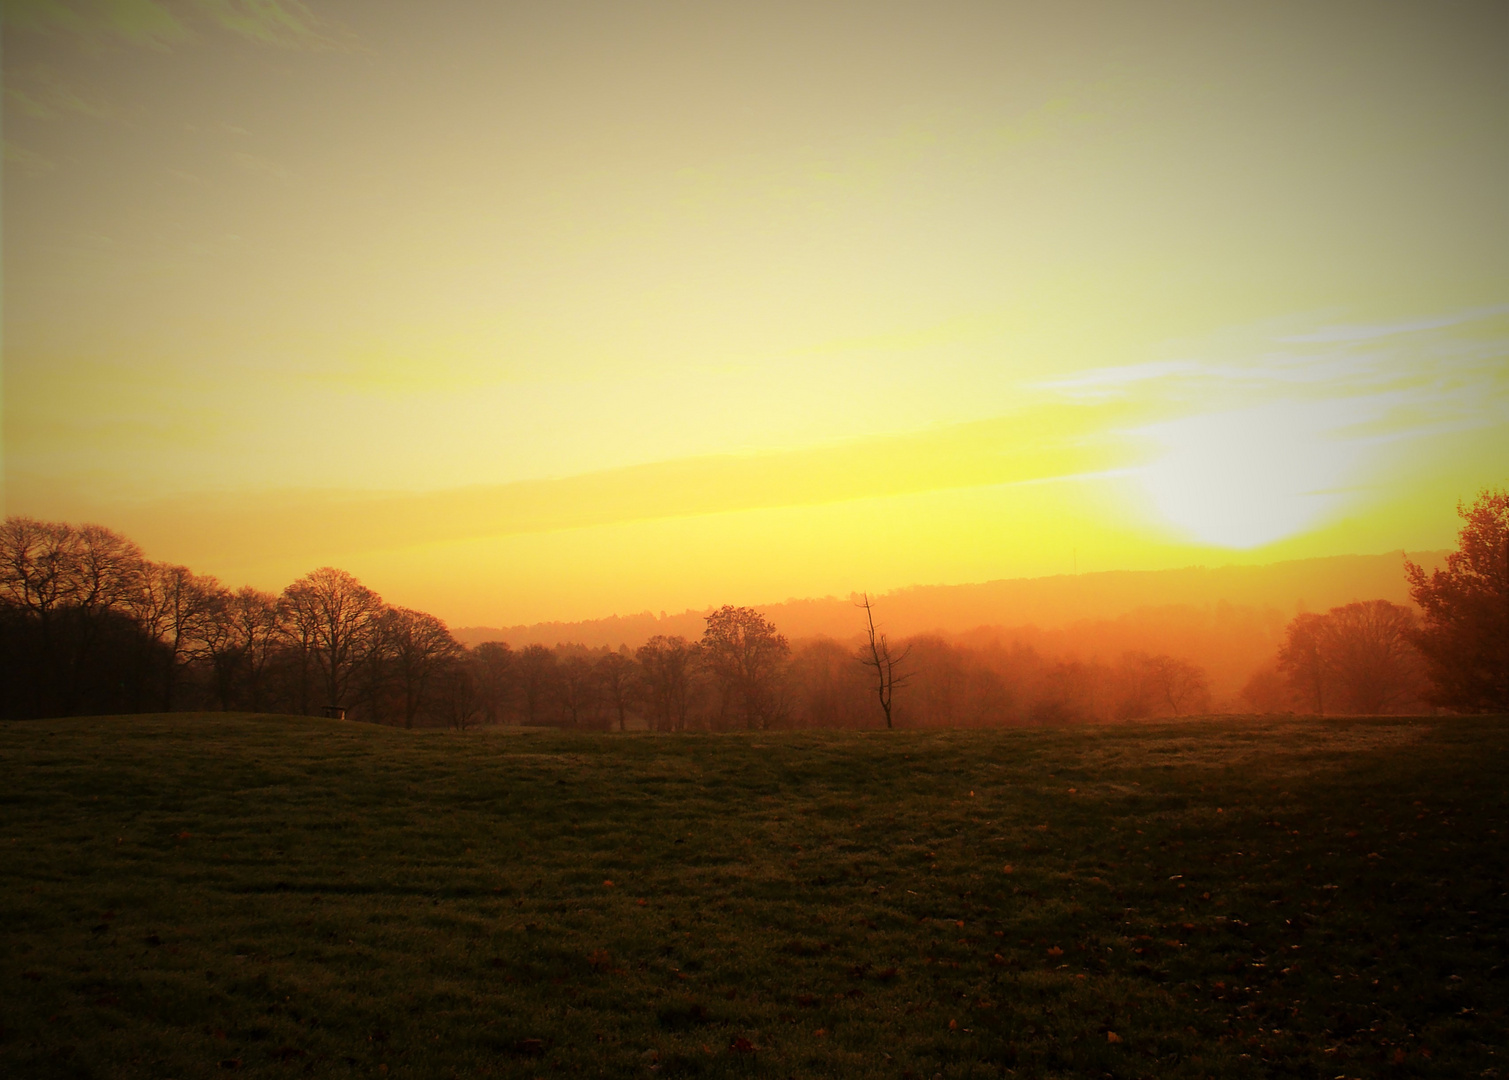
(143, 23)
(28, 161)
(286, 24)
(1266, 437)
(260, 166)
(165, 24)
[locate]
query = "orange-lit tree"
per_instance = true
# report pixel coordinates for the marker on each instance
(1464, 635)
(746, 655)
(338, 621)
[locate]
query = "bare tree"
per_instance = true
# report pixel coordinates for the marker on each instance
(666, 663)
(827, 688)
(615, 677)
(459, 698)
(419, 647)
(1305, 660)
(884, 665)
(71, 581)
(1357, 658)
(337, 620)
(177, 607)
(576, 689)
(493, 664)
(1374, 665)
(1180, 684)
(257, 617)
(537, 674)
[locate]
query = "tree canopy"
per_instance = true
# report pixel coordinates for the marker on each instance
(1464, 633)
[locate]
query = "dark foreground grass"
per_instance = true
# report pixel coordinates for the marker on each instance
(187, 895)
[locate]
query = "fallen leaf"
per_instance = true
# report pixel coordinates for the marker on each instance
(1112, 1037)
(953, 1025)
(609, 884)
(1055, 951)
(1008, 869)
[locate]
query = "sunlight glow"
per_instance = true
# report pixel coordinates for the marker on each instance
(1248, 478)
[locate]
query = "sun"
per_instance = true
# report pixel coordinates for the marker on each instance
(1245, 478)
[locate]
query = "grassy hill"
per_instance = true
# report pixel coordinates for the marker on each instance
(193, 894)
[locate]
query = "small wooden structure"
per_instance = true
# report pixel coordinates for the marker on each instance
(333, 712)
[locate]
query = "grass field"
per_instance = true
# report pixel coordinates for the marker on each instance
(188, 895)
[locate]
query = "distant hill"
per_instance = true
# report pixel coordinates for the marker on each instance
(1229, 619)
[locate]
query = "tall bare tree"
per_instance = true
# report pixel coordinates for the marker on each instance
(885, 666)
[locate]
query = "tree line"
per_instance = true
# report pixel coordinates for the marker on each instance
(88, 624)
(1374, 656)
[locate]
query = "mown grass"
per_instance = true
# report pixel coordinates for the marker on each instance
(188, 895)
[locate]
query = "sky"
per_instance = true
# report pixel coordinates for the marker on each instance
(550, 311)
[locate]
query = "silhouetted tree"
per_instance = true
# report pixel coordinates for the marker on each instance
(72, 589)
(178, 608)
(1465, 633)
(827, 687)
(1305, 660)
(1372, 661)
(493, 673)
(536, 666)
(576, 689)
(666, 663)
(419, 648)
(460, 702)
(745, 655)
(1355, 658)
(879, 659)
(337, 621)
(256, 617)
(615, 677)
(1179, 684)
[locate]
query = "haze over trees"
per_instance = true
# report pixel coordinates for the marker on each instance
(88, 624)
(1357, 658)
